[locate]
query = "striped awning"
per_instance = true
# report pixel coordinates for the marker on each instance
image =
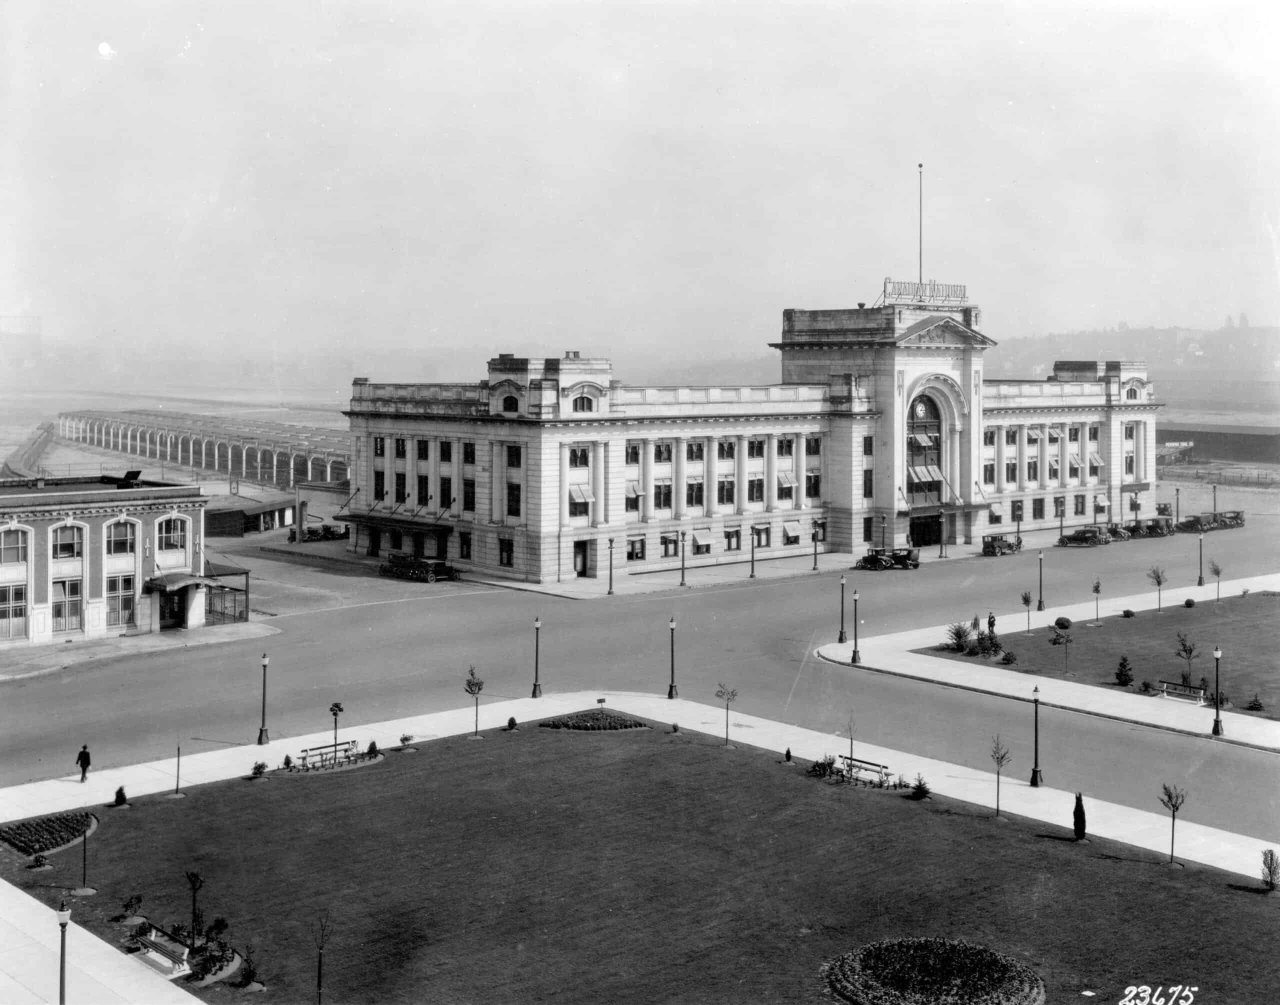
(791, 528)
(786, 480)
(702, 537)
(1095, 459)
(1074, 459)
(633, 490)
(997, 509)
(581, 494)
(1101, 502)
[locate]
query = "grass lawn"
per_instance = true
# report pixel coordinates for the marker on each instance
(1246, 627)
(644, 866)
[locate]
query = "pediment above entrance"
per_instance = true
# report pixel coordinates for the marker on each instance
(943, 331)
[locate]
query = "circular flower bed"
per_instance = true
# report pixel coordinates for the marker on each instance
(932, 972)
(597, 718)
(30, 837)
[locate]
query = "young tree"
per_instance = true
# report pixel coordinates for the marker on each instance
(474, 685)
(196, 881)
(1124, 672)
(1077, 817)
(1001, 756)
(1158, 579)
(335, 710)
(1026, 602)
(1270, 870)
(1172, 801)
(1216, 571)
(1097, 592)
(321, 929)
(726, 695)
(1186, 652)
(1061, 638)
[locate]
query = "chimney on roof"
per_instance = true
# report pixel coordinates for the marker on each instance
(861, 304)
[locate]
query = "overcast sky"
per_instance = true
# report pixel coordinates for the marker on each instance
(610, 177)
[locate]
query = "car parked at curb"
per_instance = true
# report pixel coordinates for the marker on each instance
(1084, 537)
(878, 559)
(1000, 544)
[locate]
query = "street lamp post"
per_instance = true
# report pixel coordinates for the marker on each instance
(1040, 602)
(1062, 515)
(942, 533)
(1200, 579)
(682, 533)
(64, 916)
(611, 567)
(1217, 711)
(671, 691)
(883, 520)
(1215, 500)
(752, 532)
(843, 637)
(1177, 506)
(262, 730)
(1036, 776)
(537, 633)
(815, 549)
(857, 656)
(335, 710)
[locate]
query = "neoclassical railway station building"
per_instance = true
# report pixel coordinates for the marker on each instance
(883, 429)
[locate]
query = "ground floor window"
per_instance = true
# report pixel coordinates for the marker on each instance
(733, 540)
(13, 612)
(789, 538)
(67, 607)
(1015, 509)
(464, 544)
(993, 517)
(702, 542)
(820, 530)
(506, 552)
(1081, 503)
(762, 536)
(395, 540)
(120, 600)
(635, 549)
(1059, 506)
(868, 528)
(670, 546)
(1037, 509)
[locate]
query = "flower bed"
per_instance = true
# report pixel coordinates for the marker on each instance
(932, 972)
(43, 834)
(596, 718)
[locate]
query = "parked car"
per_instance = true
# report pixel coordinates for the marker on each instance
(401, 566)
(1199, 523)
(1232, 518)
(1087, 537)
(877, 559)
(1138, 528)
(1118, 533)
(905, 558)
(1160, 526)
(1000, 544)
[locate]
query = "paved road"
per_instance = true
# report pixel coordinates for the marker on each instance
(387, 655)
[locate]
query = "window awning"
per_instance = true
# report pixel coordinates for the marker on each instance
(581, 494)
(1075, 460)
(1101, 502)
(633, 490)
(1095, 459)
(935, 473)
(791, 528)
(997, 509)
(923, 439)
(635, 537)
(786, 479)
(702, 538)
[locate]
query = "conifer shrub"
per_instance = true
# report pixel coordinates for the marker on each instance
(1124, 672)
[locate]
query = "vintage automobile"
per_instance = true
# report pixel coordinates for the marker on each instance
(1231, 518)
(1118, 533)
(1084, 537)
(401, 566)
(1000, 544)
(877, 559)
(1200, 523)
(1160, 526)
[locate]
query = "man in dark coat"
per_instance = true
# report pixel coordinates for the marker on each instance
(82, 762)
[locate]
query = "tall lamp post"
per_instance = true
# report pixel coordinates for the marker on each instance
(64, 916)
(752, 532)
(1217, 712)
(1036, 777)
(942, 533)
(671, 691)
(537, 633)
(1040, 602)
(857, 656)
(1215, 500)
(843, 637)
(611, 567)
(1177, 506)
(815, 549)
(682, 533)
(883, 520)
(1200, 580)
(262, 730)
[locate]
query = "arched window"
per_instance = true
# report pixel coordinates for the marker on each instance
(172, 534)
(13, 547)
(1131, 394)
(583, 404)
(511, 403)
(924, 450)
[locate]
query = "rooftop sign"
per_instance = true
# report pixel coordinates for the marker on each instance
(902, 292)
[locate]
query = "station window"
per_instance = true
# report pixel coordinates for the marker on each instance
(662, 453)
(469, 494)
(424, 490)
(1011, 437)
(812, 484)
(68, 542)
(670, 545)
(173, 534)
(395, 540)
(446, 452)
(1128, 431)
(733, 540)
(988, 437)
(693, 492)
(468, 452)
(511, 403)
(786, 446)
(446, 493)
(121, 538)
(633, 452)
(379, 484)
(400, 446)
(579, 457)
(661, 495)
(1128, 464)
(1073, 434)
(693, 450)
(726, 450)
(813, 445)
(506, 552)
(1011, 472)
(579, 507)
(763, 535)
(513, 456)
(1080, 504)
(868, 527)
(379, 446)
(424, 450)
(701, 549)
(1037, 509)
(1093, 434)
(868, 446)
(1054, 469)
(868, 483)
(755, 490)
(635, 549)
(989, 473)
(820, 530)
(1033, 470)
(67, 610)
(13, 612)
(582, 403)
(755, 448)
(13, 546)
(513, 499)
(400, 486)
(724, 491)
(464, 544)
(1015, 510)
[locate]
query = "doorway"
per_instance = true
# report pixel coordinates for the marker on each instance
(580, 557)
(173, 609)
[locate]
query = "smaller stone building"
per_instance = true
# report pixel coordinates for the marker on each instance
(91, 557)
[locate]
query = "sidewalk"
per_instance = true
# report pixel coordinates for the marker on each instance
(99, 972)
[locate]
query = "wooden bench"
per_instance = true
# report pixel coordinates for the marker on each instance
(327, 755)
(1193, 691)
(855, 766)
(171, 963)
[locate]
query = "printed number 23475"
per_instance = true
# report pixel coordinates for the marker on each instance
(1178, 994)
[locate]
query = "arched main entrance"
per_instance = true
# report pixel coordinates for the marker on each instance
(925, 480)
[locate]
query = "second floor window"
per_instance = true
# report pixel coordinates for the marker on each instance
(989, 473)
(13, 546)
(662, 453)
(693, 450)
(172, 534)
(755, 448)
(513, 499)
(120, 538)
(379, 485)
(726, 450)
(400, 447)
(68, 542)
(693, 493)
(468, 452)
(513, 457)
(579, 457)
(661, 495)
(633, 452)
(786, 447)
(469, 494)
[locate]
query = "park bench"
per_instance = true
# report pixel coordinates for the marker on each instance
(855, 766)
(170, 962)
(1193, 691)
(329, 754)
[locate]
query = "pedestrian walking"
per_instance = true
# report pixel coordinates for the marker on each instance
(991, 623)
(82, 762)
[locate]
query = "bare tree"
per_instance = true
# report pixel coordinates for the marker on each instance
(1158, 579)
(726, 695)
(1001, 756)
(1026, 602)
(1216, 570)
(474, 686)
(1097, 592)
(1172, 801)
(321, 930)
(1186, 652)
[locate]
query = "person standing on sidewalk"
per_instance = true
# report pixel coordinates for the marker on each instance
(82, 762)
(991, 623)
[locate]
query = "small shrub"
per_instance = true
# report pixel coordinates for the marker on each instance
(120, 797)
(1270, 870)
(141, 930)
(675, 727)
(994, 644)
(217, 929)
(511, 723)
(373, 749)
(920, 790)
(406, 738)
(787, 755)
(132, 905)
(1189, 602)
(248, 966)
(40, 861)
(180, 933)
(972, 650)
(1078, 818)
(823, 767)
(1244, 592)
(1124, 672)
(259, 769)
(1009, 658)
(1062, 624)
(288, 762)
(1146, 687)
(1126, 613)
(958, 635)
(1255, 705)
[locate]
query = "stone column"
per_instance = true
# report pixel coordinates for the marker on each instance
(771, 472)
(797, 471)
(646, 480)
(678, 477)
(710, 475)
(1000, 459)
(563, 482)
(598, 454)
(740, 477)
(1022, 458)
